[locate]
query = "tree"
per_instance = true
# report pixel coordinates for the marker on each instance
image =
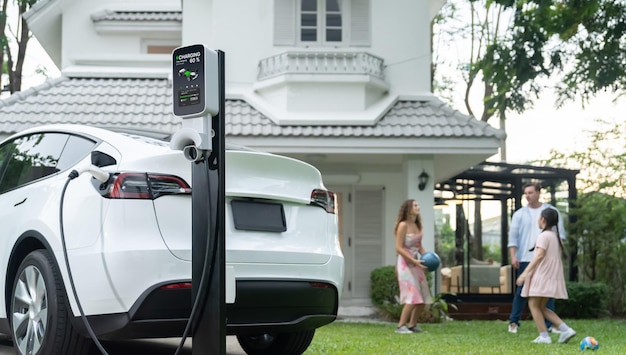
(512, 46)
(581, 40)
(20, 36)
(475, 25)
(478, 26)
(599, 231)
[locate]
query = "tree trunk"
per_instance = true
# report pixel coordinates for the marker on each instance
(3, 39)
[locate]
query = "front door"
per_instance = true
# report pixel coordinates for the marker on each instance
(360, 214)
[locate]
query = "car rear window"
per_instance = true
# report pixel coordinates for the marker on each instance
(32, 157)
(75, 149)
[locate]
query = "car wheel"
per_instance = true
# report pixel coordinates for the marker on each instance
(276, 344)
(40, 315)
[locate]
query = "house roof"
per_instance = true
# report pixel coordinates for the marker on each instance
(146, 104)
(134, 16)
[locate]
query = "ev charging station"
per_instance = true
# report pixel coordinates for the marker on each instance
(198, 98)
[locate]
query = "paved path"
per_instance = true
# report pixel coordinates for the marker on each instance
(153, 347)
(168, 346)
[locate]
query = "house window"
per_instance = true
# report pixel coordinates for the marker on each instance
(156, 49)
(159, 46)
(321, 21)
(311, 23)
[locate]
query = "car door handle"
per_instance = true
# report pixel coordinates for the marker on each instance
(19, 203)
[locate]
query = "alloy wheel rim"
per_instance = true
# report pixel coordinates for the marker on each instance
(30, 311)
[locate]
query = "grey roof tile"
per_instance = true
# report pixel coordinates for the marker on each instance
(134, 16)
(146, 104)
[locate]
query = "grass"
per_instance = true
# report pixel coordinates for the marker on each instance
(462, 337)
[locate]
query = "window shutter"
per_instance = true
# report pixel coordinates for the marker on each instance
(284, 22)
(368, 237)
(360, 23)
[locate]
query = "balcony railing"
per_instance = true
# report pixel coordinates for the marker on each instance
(321, 63)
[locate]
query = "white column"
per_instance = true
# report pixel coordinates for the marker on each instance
(413, 168)
(197, 22)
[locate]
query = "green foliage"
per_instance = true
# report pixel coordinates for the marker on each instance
(599, 235)
(511, 45)
(445, 244)
(586, 300)
(598, 232)
(385, 295)
(591, 35)
(599, 57)
(440, 308)
(473, 26)
(492, 252)
(384, 286)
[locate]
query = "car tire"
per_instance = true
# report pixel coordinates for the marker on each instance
(276, 344)
(40, 314)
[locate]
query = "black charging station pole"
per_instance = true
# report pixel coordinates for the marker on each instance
(208, 219)
(198, 98)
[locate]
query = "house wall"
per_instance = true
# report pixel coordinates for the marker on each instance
(244, 31)
(400, 34)
(400, 184)
(81, 41)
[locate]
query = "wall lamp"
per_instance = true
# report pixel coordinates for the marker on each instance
(422, 180)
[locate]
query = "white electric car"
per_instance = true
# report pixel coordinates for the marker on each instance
(128, 243)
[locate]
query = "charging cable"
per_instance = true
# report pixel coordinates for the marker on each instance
(103, 176)
(198, 305)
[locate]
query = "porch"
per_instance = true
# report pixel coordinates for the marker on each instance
(473, 235)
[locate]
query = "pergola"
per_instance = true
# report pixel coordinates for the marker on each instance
(502, 182)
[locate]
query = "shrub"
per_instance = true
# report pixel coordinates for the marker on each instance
(385, 292)
(586, 300)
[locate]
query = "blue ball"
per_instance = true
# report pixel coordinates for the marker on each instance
(431, 260)
(589, 343)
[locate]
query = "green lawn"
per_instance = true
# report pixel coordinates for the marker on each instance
(462, 337)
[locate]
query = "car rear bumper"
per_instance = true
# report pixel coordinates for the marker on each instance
(261, 306)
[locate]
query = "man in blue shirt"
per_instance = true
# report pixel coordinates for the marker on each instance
(522, 237)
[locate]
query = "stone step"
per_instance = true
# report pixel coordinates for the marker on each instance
(463, 311)
(356, 311)
(483, 311)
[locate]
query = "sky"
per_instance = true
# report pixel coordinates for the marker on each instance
(532, 135)
(36, 58)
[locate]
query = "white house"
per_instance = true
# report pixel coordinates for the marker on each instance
(341, 84)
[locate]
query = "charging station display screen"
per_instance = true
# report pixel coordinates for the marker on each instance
(189, 80)
(189, 96)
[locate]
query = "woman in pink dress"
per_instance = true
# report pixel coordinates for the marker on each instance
(414, 289)
(544, 279)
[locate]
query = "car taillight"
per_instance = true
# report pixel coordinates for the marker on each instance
(145, 186)
(177, 286)
(324, 199)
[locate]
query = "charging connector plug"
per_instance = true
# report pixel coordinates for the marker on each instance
(96, 172)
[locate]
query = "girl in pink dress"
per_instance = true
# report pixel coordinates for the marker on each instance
(414, 289)
(544, 279)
